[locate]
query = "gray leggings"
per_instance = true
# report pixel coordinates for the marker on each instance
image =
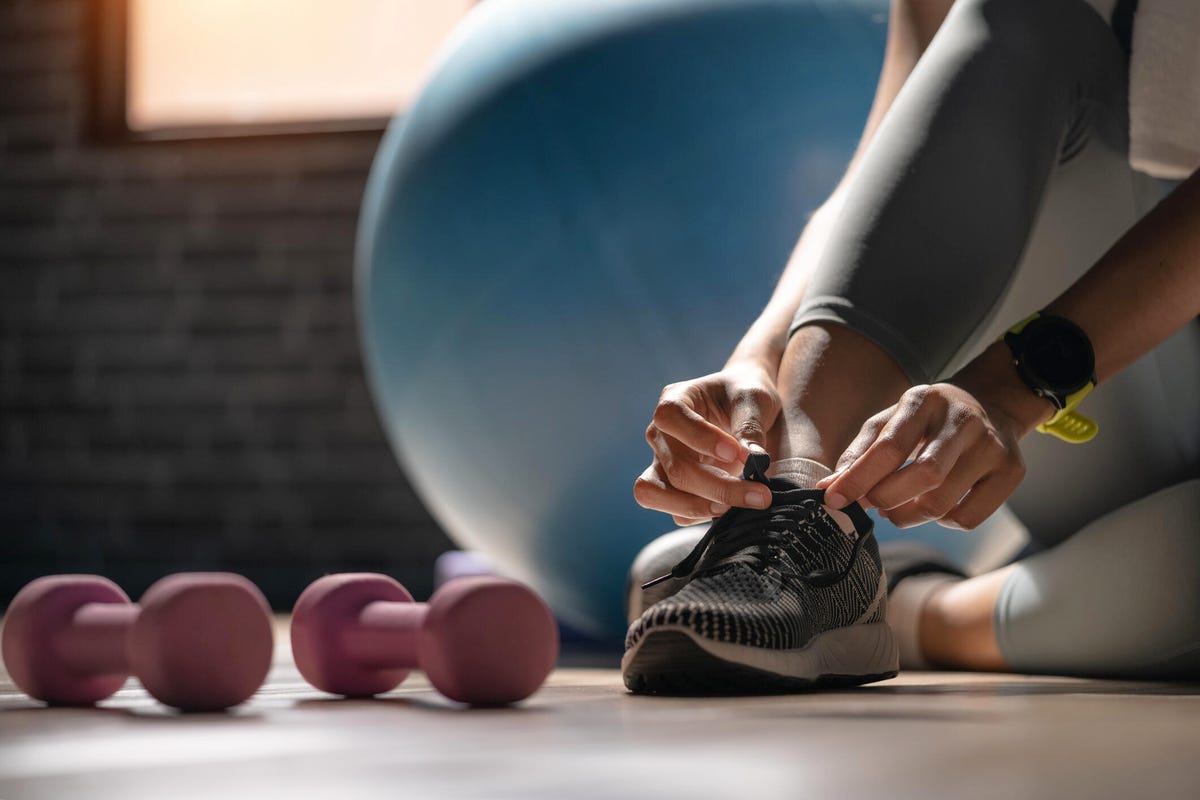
(998, 177)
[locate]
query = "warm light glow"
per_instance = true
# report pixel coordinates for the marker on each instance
(217, 62)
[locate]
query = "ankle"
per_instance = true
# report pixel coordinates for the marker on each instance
(956, 629)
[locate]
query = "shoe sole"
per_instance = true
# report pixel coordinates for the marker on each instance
(674, 660)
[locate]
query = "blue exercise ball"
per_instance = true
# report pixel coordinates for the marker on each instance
(588, 201)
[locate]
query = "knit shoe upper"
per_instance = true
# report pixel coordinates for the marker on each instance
(775, 578)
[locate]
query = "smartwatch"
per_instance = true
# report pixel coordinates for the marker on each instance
(1054, 358)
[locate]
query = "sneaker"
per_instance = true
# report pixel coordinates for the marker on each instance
(773, 600)
(654, 559)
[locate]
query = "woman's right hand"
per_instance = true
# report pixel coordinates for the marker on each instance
(701, 433)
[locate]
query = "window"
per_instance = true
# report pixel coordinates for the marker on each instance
(188, 68)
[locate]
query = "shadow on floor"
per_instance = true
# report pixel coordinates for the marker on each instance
(1054, 686)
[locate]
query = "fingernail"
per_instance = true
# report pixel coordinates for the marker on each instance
(835, 500)
(757, 499)
(726, 451)
(754, 448)
(719, 508)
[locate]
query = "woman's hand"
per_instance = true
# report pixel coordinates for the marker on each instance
(964, 459)
(701, 433)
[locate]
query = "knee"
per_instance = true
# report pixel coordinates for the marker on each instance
(1155, 576)
(1163, 544)
(1119, 598)
(1033, 31)
(1051, 19)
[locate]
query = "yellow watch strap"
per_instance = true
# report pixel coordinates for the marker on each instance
(1020, 326)
(1068, 424)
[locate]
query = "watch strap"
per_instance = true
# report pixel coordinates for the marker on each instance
(1020, 326)
(1068, 424)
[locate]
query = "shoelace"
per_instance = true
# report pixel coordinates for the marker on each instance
(765, 532)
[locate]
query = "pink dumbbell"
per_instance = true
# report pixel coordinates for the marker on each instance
(481, 640)
(199, 641)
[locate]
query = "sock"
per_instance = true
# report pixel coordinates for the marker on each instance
(905, 603)
(804, 472)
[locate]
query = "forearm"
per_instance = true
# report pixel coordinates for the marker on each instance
(764, 342)
(1146, 287)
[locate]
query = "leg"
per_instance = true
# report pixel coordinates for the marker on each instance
(964, 156)
(831, 379)
(1116, 599)
(957, 627)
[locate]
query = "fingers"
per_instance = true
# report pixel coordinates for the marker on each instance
(652, 490)
(753, 412)
(984, 499)
(866, 435)
(941, 498)
(681, 485)
(684, 471)
(874, 456)
(962, 466)
(676, 416)
(933, 467)
(701, 434)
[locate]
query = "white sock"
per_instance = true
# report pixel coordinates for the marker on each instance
(905, 604)
(804, 472)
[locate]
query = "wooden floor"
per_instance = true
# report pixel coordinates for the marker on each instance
(923, 735)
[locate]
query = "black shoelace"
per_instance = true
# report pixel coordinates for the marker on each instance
(765, 533)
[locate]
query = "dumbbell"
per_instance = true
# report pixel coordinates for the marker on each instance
(197, 641)
(480, 640)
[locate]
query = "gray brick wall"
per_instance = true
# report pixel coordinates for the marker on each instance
(180, 380)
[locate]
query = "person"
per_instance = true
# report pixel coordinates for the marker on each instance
(989, 259)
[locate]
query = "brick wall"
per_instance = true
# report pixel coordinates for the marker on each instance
(180, 380)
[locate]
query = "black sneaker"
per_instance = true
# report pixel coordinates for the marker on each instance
(776, 600)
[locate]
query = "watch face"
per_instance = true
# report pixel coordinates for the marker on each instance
(1058, 354)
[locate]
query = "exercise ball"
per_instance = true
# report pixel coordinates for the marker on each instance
(589, 200)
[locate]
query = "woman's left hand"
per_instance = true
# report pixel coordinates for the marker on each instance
(965, 461)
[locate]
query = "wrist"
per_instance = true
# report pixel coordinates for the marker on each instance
(757, 362)
(993, 380)
(758, 350)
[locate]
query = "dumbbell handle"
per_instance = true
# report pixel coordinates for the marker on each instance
(385, 634)
(94, 644)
